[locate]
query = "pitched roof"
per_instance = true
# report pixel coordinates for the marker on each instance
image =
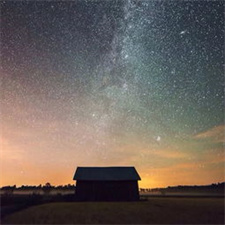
(106, 173)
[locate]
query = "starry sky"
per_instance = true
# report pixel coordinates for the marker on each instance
(112, 83)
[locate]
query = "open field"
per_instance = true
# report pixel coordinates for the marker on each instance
(156, 210)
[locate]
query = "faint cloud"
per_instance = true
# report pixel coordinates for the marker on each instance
(216, 134)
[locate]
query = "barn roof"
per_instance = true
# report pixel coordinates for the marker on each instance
(106, 173)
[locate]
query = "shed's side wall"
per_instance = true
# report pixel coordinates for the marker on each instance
(107, 190)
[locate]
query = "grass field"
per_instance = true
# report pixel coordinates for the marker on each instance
(154, 211)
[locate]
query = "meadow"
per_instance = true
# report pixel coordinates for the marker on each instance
(154, 210)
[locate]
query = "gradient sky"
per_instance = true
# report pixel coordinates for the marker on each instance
(112, 83)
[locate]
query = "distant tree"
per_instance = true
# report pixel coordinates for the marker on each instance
(47, 188)
(59, 187)
(142, 190)
(8, 190)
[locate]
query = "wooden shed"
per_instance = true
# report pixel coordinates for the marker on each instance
(106, 184)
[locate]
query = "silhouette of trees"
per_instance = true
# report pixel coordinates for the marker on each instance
(8, 190)
(47, 188)
(35, 190)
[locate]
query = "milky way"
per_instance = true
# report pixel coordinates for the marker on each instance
(112, 83)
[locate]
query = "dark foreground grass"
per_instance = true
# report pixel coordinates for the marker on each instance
(155, 211)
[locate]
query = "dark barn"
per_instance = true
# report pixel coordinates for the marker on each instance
(106, 184)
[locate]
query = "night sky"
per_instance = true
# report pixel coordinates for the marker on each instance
(112, 83)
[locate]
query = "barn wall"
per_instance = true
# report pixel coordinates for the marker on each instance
(107, 191)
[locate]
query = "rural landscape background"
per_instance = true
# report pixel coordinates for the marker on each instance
(112, 83)
(58, 205)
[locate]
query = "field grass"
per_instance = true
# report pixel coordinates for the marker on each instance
(154, 211)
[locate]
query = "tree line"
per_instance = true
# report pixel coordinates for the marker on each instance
(186, 187)
(47, 188)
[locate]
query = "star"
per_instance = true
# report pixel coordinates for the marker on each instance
(183, 32)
